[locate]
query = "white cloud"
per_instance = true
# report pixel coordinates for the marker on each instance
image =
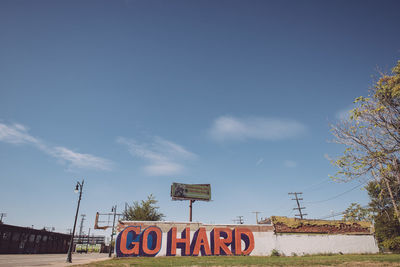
(164, 157)
(231, 128)
(18, 134)
(290, 164)
(79, 160)
(163, 168)
(172, 149)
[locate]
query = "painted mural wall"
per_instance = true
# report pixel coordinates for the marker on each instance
(196, 239)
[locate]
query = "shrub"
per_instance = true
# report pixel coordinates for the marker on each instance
(392, 244)
(275, 253)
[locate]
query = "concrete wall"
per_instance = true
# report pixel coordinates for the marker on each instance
(264, 240)
(321, 243)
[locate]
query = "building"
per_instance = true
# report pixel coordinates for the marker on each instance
(24, 240)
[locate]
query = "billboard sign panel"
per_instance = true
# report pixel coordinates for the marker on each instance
(191, 191)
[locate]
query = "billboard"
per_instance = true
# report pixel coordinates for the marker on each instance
(191, 191)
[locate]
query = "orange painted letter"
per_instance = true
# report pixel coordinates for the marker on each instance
(248, 239)
(174, 241)
(156, 235)
(222, 243)
(201, 241)
(124, 245)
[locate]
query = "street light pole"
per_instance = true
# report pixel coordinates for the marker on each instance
(113, 209)
(79, 187)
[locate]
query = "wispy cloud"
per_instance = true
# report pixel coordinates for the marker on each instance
(231, 128)
(261, 160)
(79, 160)
(163, 168)
(18, 134)
(290, 164)
(164, 157)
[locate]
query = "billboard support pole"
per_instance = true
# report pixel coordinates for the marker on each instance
(190, 210)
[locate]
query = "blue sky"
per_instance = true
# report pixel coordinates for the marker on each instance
(135, 95)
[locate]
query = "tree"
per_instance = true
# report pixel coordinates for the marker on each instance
(387, 228)
(144, 211)
(372, 137)
(355, 212)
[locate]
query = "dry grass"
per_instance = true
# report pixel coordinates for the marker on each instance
(369, 260)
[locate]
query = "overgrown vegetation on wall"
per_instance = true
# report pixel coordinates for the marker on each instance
(282, 224)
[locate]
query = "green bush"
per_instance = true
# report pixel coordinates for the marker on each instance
(392, 244)
(275, 253)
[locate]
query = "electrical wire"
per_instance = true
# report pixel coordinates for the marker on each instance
(338, 213)
(288, 203)
(291, 213)
(316, 184)
(308, 188)
(341, 194)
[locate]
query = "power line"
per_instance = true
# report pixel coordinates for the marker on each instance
(316, 184)
(291, 211)
(339, 213)
(313, 187)
(341, 194)
(285, 203)
(331, 215)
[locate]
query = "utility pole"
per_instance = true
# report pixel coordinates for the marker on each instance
(298, 204)
(256, 212)
(1, 216)
(126, 210)
(81, 227)
(87, 243)
(240, 219)
(113, 209)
